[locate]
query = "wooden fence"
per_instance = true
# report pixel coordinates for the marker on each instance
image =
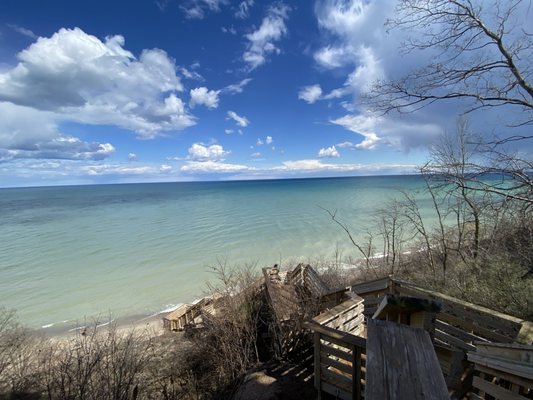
(459, 327)
(459, 324)
(339, 362)
(346, 317)
(502, 371)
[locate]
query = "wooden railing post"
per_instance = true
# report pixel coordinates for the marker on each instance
(356, 373)
(318, 385)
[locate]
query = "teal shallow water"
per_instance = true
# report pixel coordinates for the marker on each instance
(69, 253)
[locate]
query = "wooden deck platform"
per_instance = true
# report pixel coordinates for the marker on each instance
(401, 364)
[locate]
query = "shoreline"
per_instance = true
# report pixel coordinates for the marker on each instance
(150, 321)
(152, 324)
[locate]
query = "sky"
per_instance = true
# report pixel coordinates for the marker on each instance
(165, 90)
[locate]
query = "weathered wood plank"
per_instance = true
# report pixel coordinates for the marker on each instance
(356, 374)
(336, 378)
(335, 391)
(457, 332)
(445, 337)
(469, 326)
(510, 351)
(326, 351)
(317, 362)
(501, 364)
(371, 286)
(495, 390)
(501, 320)
(336, 336)
(402, 364)
(343, 367)
(508, 377)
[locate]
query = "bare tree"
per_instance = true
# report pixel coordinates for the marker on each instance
(453, 169)
(479, 54)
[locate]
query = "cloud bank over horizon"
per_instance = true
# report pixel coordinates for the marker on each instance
(210, 90)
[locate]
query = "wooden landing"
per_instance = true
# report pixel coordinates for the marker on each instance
(401, 364)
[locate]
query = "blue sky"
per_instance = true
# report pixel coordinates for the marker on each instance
(166, 90)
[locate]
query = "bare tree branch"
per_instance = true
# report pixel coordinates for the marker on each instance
(478, 58)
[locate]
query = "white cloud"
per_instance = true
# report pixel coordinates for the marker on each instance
(243, 9)
(345, 145)
(132, 157)
(363, 125)
(237, 87)
(367, 72)
(255, 155)
(318, 166)
(29, 133)
(228, 131)
(193, 75)
(117, 169)
(333, 57)
(204, 96)
(213, 166)
(196, 9)
(310, 94)
(231, 30)
(266, 140)
(328, 152)
(336, 93)
(378, 130)
(261, 41)
(241, 121)
(80, 78)
(200, 152)
(165, 168)
(23, 31)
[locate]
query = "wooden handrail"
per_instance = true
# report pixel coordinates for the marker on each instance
(336, 334)
(450, 299)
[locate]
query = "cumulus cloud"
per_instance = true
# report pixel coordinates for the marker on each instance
(368, 71)
(381, 130)
(261, 41)
(241, 121)
(132, 157)
(328, 152)
(310, 94)
(269, 140)
(204, 96)
(200, 152)
(364, 125)
(29, 133)
(83, 79)
(356, 42)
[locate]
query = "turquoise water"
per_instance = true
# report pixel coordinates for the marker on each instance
(69, 253)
